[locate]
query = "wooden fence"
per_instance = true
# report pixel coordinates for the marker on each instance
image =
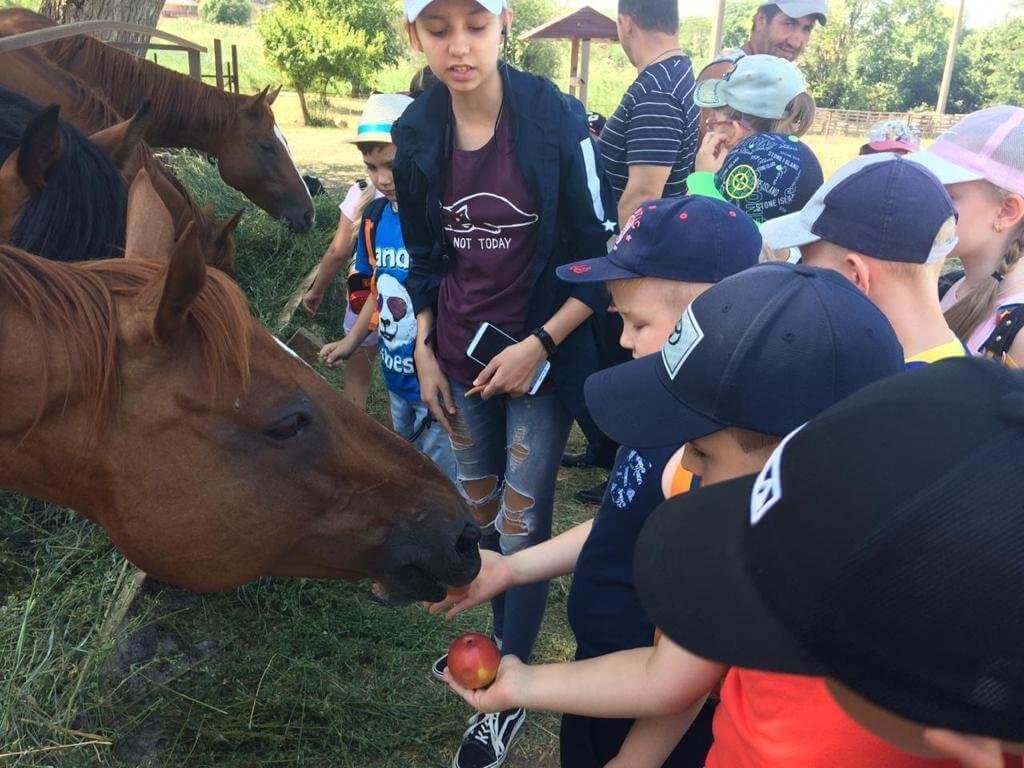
(851, 122)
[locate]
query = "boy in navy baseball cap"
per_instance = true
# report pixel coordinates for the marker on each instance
(888, 224)
(753, 357)
(669, 252)
(867, 566)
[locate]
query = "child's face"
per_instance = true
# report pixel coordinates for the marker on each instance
(461, 41)
(379, 167)
(650, 308)
(978, 205)
(720, 457)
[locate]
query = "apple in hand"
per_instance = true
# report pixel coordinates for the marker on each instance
(473, 660)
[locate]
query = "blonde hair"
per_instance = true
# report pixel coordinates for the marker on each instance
(964, 316)
(796, 121)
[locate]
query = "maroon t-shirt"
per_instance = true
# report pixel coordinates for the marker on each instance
(490, 221)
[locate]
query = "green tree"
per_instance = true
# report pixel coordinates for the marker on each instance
(540, 58)
(226, 11)
(990, 68)
(739, 18)
(695, 39)
(832, 54)
(316, 50)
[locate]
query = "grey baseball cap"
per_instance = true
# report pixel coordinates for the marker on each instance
(796, 9)
(758, 85)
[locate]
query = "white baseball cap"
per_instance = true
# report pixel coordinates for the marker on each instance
(758, 85)
(379, 114)
(413, 8)
(797, 9)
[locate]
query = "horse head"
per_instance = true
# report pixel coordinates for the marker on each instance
(209, 453)
(253, 156)
(56, 186)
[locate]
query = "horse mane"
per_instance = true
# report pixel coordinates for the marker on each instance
(80, 212)
(181, 101)
(77, 304)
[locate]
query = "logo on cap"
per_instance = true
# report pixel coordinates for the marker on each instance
(741, 182)
(684, 339)
(632, 223)
(579, 269)
(945, 241)
(767, 490)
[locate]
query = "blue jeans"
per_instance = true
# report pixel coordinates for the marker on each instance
(407, 418)
(508, 451)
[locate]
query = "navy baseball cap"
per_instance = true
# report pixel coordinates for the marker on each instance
(884, 206)
(769, 175)
(689, 239)
(881, 546)
(764, 350)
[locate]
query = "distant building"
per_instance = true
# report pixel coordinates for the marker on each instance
(175, 9)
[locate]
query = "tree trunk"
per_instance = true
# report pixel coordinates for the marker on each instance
(144, 12)
(302, 103)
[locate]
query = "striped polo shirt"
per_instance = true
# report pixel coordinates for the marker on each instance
(655, 124)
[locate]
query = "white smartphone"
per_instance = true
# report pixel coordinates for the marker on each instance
(489, 341)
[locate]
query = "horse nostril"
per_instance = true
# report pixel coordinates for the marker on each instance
(468, 539)
(308, 218)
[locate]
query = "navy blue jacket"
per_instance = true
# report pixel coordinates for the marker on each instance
(563, 172)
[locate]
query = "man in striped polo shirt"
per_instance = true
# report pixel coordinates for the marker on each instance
(650, 142)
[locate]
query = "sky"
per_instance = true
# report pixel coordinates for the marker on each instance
(980, 13)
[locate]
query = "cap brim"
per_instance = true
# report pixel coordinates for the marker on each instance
(947, 172)
(694, 580)
(707, 94)
(892, 146)
(598, 270)
(787, 231)
(372, 138)
(630, 404)
(413, 8)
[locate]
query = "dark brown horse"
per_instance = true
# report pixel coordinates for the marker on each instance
(91, 113)
(143, 394)
(240, 131)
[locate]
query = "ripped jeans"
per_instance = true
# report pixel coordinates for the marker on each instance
(508, 451)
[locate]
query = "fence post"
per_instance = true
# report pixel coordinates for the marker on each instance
(195, 70)
(234, 68)
(218, 63)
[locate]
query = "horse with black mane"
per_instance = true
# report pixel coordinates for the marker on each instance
(56, 186)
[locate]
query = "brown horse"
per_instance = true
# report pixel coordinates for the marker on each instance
(90, 113)
(240, 131)
(143, 394)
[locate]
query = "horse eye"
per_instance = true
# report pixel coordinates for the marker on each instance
(288, 427)
(268, 146)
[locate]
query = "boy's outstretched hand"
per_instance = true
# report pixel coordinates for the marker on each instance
(495, 578)
(506, 692)
(334, 353)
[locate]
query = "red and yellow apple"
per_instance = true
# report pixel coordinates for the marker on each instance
(473, 660)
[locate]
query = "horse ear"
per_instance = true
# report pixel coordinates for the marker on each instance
(186, 276)
(258, 102)
(150, 230)
(119, 142)
(272, 97)
(225, 230)
(41, 147)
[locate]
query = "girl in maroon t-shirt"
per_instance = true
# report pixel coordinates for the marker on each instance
(499, 184)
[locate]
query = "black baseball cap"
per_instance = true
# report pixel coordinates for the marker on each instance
(765, 350)
(884, 206)
(688, 239)
(882, 545)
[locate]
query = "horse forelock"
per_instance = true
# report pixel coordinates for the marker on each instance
(77, 304)
(80, 212)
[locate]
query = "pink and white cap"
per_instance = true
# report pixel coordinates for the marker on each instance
(988, 144)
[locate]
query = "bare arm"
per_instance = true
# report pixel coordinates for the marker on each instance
(331, 263)
(555, 557)
(652, 739)
(638, 683)
(435, 390)
(512, 371)
(646, 183)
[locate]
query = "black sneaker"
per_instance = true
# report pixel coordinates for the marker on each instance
(487, 741)
(439, 666)
(593, 496)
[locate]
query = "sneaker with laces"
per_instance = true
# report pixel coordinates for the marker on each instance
(487, 741)
(438, 667)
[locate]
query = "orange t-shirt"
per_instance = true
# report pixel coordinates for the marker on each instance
(768, 720)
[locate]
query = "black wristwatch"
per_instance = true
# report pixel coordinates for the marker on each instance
(545, 338)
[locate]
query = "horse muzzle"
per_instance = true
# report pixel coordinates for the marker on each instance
(422, 570)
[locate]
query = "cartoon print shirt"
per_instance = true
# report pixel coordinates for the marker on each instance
(604, 610)
(490, 220)
(397, 325)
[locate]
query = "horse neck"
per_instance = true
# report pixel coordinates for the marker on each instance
(186, 112)
(52, 459)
